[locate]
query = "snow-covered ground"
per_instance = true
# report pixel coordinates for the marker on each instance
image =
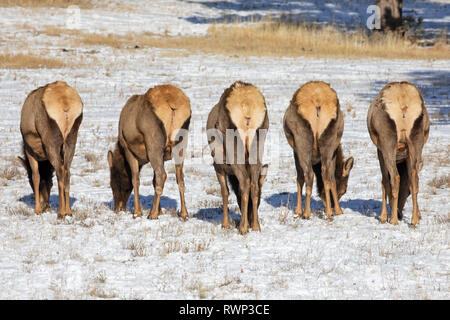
(100, 254)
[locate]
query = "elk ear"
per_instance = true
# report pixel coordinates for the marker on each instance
(110, 159)
(347, 167)
(263, 174)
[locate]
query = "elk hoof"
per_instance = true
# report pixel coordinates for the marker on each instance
(338, 212)
(330, 219)
(184, 215)
(152, 216)
(243, 230)
(393, 221)
(306, 215)
(60, 216)
(226, 225)
(256, 227)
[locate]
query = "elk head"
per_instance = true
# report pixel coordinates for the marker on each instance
(120, 178)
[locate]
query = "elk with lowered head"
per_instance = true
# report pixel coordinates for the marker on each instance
(313, 124)
(399, 126)
(152, 128)
(49, 123)
(241, 117)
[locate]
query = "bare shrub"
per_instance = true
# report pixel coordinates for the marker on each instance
(9, 173)
(138, 248)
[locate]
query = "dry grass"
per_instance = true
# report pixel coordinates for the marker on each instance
(284, 39)
(85, 4)
(440, 182)
(20, 210)
(268, 39)
(98, 292)
(28, 61)
(137, 247)
(9, 173)
(213, 191)
(93, 158)
(194, 245)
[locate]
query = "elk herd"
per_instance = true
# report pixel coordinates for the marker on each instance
(151, 127)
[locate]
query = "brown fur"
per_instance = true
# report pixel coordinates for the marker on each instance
(171, 106)
(241, 107)
(147, 132)
(247, 110)
(317, 103)
(403, 104)
(63, 104)
(50, 119)
(399, 125)
(314, 124)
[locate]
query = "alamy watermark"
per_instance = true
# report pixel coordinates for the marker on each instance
(374, 20)
(234, 146)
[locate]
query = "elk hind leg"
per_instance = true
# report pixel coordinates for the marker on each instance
(413, 186)
(157, 162)
(394, 180)
(154, 186)
(255, 193)
(181, 187)
(36, 179)
(225, 193)
(300, 182)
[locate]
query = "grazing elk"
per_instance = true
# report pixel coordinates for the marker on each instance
(313, 125)
(399, 126)
(239, 116)
(49, 123)
(149, 130)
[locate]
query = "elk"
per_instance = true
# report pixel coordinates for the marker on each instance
(241, 116)
(152, 127)
(313, 124)
(399, 126)
(50, 118)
